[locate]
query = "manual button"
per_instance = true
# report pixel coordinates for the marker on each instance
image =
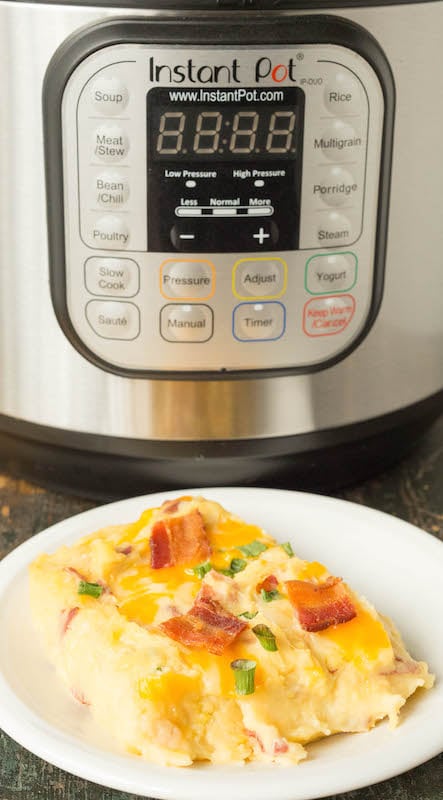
(113, 320)
(186, 323)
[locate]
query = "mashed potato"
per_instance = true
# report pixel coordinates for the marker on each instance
(192, 636)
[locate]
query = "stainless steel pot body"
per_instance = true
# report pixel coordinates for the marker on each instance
(45, 381)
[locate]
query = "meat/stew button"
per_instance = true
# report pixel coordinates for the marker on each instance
(327, 316)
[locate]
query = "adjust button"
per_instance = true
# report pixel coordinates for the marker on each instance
(110, 233)
(259, 321)
(109, 95)
(110, 143)
(186, 323)
(326, 316)
(117, 277)
(259, 277)
(331, 273)
(113, 320)
(187, 278)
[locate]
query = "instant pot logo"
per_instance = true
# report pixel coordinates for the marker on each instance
(264, 70)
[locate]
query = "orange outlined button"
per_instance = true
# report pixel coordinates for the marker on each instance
(327, 316)
(187, 278)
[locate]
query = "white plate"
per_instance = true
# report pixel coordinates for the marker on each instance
(397, 566)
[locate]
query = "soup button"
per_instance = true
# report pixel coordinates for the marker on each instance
(112, 277)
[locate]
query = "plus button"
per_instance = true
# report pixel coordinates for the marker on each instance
(261, 235)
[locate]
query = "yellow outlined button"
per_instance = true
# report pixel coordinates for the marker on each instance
(260, 278)
(189, 278)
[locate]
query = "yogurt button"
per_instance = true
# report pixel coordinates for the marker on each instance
(343, 95)
(118, 277)
(113, 320)
(110, 233)
(110, 143)
(111, 189)
(109, 95)
(186, 323)
(326, 274)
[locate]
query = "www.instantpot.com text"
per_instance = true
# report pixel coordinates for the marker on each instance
(226, 95)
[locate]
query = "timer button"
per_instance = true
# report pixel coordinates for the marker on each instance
(340, 142)
(112, 276)
(334, 229)
(259, 277)
(259, 321)
(110, 233)
(109, 95)
(187, 278)
(336, 187)
(111, 189)
(110, 143)
(113, 320)
(343, 95)
(186, 323)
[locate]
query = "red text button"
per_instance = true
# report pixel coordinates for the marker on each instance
(326, 316)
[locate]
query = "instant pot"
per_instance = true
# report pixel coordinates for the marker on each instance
(221, 240)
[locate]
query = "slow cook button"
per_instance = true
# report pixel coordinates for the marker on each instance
(109, 233)
(187, 278)
(109, 95)
(334, 229)
(186, 323)
(259, 321)
(110, 143)
(336, 272)
(111, 189)
(343, 95)
(335, 187)
(117, 277)
(339, 142)
(259, 277)
(113, 320)
(328, 316)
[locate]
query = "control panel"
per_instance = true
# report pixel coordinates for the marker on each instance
(220, 204)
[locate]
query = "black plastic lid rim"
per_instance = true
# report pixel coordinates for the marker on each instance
(185, 6)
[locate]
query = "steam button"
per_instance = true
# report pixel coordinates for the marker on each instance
(113, 320)
(334, 230)
(109, 95)
(110, 143)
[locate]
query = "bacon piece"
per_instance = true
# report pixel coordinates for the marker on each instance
(321, 605)
(67, 615)
(179, 540)
(269, 584)
(280, 746)
(207, 625)
(79, 696)
(125, 550)
(73, 571)
(254, 735)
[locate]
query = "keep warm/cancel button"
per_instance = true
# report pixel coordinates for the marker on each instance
(327, 316)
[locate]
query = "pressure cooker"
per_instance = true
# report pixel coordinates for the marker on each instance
(221, 240)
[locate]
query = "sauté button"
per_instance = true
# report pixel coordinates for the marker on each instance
(259, 321)
(110, 233)
(113, 320)
(111, 189)
(187, 278)
(335, 187)
(259, 277)
(335, 272)
(327, 316)
(186, 323)
(110, 143)
(117, 277)
(334, 229)
(343, 95)
(109, 95)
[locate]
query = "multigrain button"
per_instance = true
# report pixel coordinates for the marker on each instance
(111, 189)
(339, 142)
(259, 321)
(334, 229)
(327, 316)
(109, 95)
(335, 186)
(187, 278)
(186, 323)
(343, 95)
(259, 277)
(110, 143)
(331, 273)
(110, 233)
(113, 320)
(116, 277)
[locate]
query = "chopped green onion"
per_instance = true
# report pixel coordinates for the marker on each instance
(92, 589)
(274, 594)
(253, 548)
(244, 673)
(237, 565)
(265, 637)
(248, 614)
(202, 569)
(287, 547)
(228, 572)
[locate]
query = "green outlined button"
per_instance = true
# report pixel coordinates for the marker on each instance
(331, 273)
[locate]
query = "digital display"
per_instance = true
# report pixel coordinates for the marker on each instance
(198, 131)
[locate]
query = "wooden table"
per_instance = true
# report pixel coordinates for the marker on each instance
(413, 491)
